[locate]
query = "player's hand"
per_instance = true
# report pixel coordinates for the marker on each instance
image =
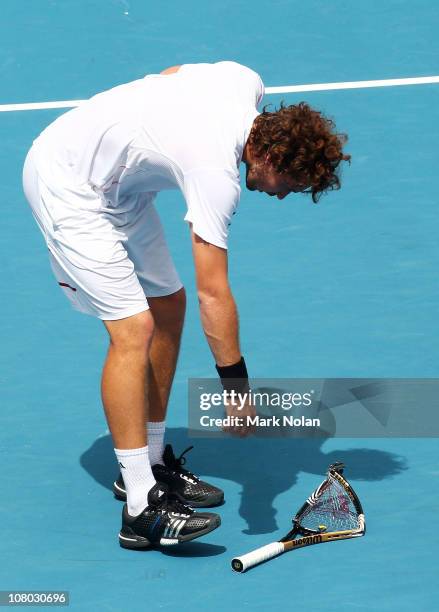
(240, 427)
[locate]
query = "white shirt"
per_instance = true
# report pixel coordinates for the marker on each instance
(182, 131)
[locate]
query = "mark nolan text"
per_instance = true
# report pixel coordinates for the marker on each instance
(258, 421)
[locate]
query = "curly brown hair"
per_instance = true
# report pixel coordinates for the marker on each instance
(301, 142)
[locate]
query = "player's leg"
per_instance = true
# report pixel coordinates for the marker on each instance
(149, 516)
(168, 313)
(124, 378)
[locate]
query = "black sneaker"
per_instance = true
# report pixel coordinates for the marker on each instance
(165, 521)
(181, 483)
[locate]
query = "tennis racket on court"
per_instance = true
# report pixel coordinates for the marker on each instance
(333, 512)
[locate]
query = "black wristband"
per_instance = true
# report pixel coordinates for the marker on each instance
(234, 377)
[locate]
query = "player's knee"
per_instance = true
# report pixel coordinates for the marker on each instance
(133, 333)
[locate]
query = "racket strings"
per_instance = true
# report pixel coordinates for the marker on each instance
(330, 510)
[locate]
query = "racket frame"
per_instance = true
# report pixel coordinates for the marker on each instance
(308, 537)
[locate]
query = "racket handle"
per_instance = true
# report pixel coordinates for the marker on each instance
(243, 563)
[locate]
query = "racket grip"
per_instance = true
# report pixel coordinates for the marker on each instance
(243, 563)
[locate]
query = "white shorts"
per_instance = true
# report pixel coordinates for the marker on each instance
(107, 264)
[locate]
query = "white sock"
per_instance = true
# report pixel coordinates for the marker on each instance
(137, 476)
(156, 444)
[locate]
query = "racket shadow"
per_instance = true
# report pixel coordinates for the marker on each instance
(263, 467)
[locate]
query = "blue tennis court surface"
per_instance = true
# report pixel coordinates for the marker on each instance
(347, 288)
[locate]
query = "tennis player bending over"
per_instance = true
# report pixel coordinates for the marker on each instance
(91, 179)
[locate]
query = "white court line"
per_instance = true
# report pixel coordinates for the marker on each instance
(39, 105)
(353, 85)
(268, 90)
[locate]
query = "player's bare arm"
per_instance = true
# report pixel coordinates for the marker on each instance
(219, 317)
(218, 311)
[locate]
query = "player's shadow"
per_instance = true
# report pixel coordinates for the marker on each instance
(264, 467)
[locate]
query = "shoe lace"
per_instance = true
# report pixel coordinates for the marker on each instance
(177, 463)
(170, 503)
